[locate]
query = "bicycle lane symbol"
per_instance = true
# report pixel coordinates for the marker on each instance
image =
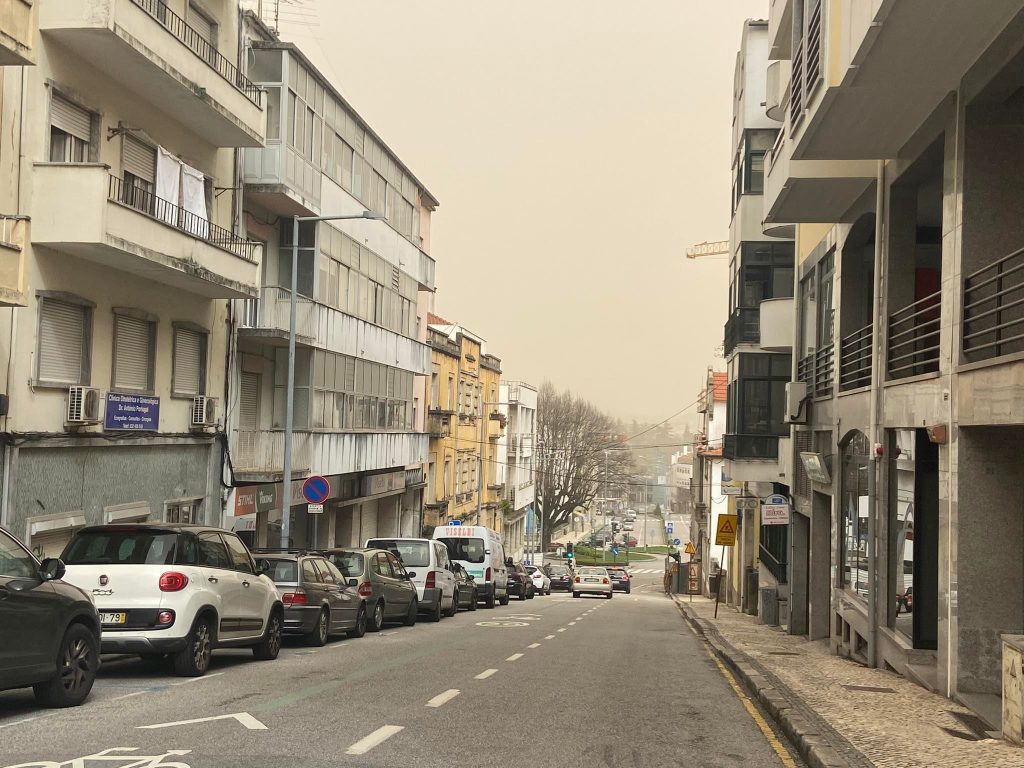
(108, 757)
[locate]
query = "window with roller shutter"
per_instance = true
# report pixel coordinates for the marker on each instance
(138, 161)
(249, 402)
(188, 378)
(206, 29)
(62, 357)
(134, 349)
(70, 131)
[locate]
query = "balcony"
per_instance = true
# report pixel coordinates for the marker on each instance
(777, 90)
(495, 427)
(776, 324)
(84, 211)
(750, 447)
(17, 33)
(13, 238)
(993, 322)
(491, 363)
(855, 359)
(267, 319)
(152, 54)
(742, 328)
(780, 29)
(258, 455)
(913, 341)
(439, 424)
(816, 371)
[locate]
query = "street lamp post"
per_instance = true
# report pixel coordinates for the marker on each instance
(289, 419)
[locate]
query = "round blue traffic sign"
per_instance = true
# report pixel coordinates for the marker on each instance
(676, 542)
(316, 489)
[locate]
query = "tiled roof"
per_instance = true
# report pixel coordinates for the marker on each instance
(712, 451)
(721, 382)
(433, 319)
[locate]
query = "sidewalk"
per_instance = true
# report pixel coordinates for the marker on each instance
(838, 713)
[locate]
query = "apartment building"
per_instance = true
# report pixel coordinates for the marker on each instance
(515, 469)
(360, 334)
(465, 426)
(707, 478)
(758, 337)
(122, 249)
(897, 160)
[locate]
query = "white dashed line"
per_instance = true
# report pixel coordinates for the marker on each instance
(443, 698)
(514, 657)
(571, 624)
(533, 645)
(550, 637)
(562, 629)
(129, 695)
(485, 674)
(379, 736)
(199, 679)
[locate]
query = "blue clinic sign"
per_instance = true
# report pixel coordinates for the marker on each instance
(132, 413)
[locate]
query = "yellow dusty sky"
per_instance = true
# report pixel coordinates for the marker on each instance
(577, 148)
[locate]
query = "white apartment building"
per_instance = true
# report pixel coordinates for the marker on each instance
(709, 500)
(516, 469)
(122, 251)
(362, 287)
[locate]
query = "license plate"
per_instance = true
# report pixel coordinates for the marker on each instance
(113, 618)
(591, 581)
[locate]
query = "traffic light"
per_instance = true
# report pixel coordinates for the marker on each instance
(568, 551)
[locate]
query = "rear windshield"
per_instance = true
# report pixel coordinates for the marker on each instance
(593, 572)
(413, 554)
(468, 550)
(557, 570)
(349, 563)
(281, 571)
(122, 548)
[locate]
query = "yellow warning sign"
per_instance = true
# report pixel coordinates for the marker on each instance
(726, 533)
(690, 549)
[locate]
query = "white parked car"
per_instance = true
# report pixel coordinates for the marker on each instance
(541, 581)
(430, 570)
(592, 580)
(178, 590)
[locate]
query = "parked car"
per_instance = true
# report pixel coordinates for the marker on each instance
(182, 590)
(628, 525)
(430, 567)
(905, 601)
(317, 600)
(541, 581)
(467, 592)
(479, 550)
(561, 577)
(592, 580)
(385, 588)
(49, 629)
(620, 578)
(520, 583)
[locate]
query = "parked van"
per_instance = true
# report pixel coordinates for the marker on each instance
(480, 552)
(430, 570)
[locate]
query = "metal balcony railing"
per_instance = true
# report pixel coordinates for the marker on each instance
(744, 327)
(805, 371)
(855, 359)
(750, 446)
(823, 370)
(812, 75)
(262, 451)
(144, 201)
(914, 338)
(272, 312)
(993, 323)
(796, 85)
(187, 34)
(439, 425)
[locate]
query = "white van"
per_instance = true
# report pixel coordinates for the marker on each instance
(480, 552)
(430, 570)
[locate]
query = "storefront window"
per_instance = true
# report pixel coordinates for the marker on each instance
(854, 545)
(901, 562)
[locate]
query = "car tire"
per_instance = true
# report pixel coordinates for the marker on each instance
(522, 594)
(435, 615)
(322, 630)
(194, 659)
(269, 645)
(575, 594)
(360, 628)
(474, 601)
(455, 605)
(608, 596)
(490, 600)
(377, 619)
(78, 659)
(504, 600)
(413, 613)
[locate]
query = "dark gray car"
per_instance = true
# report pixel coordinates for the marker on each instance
(381, 581)
(49, 629)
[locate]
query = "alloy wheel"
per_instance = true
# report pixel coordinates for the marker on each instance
(201, 646)
(75, 665)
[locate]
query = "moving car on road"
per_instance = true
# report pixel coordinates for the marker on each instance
(49, 629)
(592, 580)
(620, 578)
(386, 589)
(520, 582)
(561, 577)
(541, 581)
(430, 569)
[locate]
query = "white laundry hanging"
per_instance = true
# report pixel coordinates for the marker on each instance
(168, 186)
(193, 200)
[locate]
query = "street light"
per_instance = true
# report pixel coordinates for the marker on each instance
(289, 426)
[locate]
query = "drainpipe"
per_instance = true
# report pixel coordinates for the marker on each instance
(874, 436)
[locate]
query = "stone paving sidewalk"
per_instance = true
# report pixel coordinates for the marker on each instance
(801, 684)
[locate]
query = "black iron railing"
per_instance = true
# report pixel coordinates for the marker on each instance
(750, 446)
(914, 338)
(144, 201)
(777, 568)
(743, 327)
(855, 359)
(823, 365)
(199, 45)
(993, 323)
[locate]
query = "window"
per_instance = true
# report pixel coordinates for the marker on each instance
(134, 349)
(397, 568)
(212, 552)
(309, 572)
(382, 565)
(138, 162)
(188, 377)
(240, 559)
(826, 271)
(70, 131)
(759, 395)
(854, 511)
(65, 328)
(15, 562)
(206, 28)
(186, 511)
(765, 271)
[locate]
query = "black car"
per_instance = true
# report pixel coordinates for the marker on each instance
(519, 582)
(318, 601)
(465, 586)
(620, 578)
(49, 628)
(561, 577)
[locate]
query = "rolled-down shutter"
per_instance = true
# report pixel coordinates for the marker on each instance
(70, 118)
(205, 28)
(61, 341)
(139, 159)
(132, 346)
(248, 402)
(188, 362)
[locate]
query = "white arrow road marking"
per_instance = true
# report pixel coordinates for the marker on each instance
(379, 736)
(485, 674)
(244, 718)
(443, 698)
(514, 657)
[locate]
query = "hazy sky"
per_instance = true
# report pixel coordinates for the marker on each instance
(578, 147)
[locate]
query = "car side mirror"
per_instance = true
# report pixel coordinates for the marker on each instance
(353, 582)
(52, 568)
(410, 575)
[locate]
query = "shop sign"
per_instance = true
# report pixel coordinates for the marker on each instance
(132, 413)
(775, 510)
(389, 481)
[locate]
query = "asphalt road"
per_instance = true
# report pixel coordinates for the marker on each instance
(554, 681)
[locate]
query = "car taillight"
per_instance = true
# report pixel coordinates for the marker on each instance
(487, 575)
(365, 589)
(294, 598)
(431, 580)
(577, 579)
(605, 581)
(172, 581)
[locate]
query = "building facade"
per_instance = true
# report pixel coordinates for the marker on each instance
(516, 471)
(709, 501)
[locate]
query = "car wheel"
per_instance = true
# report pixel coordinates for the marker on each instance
(455, 604)
(410, 616)
(505, 600)
(608, 596)
(321, 631)
(628, 590)
(268, 648)
(360, 628)
(377, 621)
(435, 615)
(489, 601)
(194, 659)
(77, 661)
(474, 601)
(522, 594)
(575, 594)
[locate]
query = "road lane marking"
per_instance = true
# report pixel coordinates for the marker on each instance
(514, 657)
(571, 624)
(533, 645)
(198, 679)
(485, 674)
(244, 718)
(129, 695)
(443, 698)
(376, 738)
(562, 629)
(550, 637)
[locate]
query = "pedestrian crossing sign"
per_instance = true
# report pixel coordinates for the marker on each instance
(689, 548)
(725, 535)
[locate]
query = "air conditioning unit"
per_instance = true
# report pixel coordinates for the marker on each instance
(204, 411)
(796, 394)
(83, 406)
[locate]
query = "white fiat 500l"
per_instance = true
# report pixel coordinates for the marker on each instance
(178, 590)
(591, 580)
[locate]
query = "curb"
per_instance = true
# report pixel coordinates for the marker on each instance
(820, 745)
